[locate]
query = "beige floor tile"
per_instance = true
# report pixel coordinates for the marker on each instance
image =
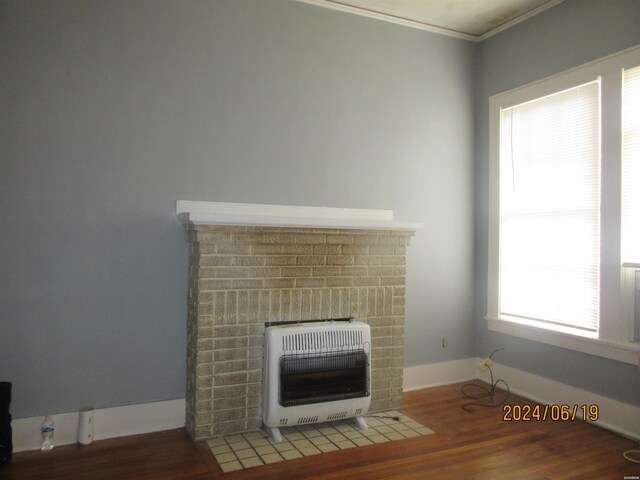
(424, 431)
(251, 462)
(379, 439)
(353, 434)
(271, 458)
(328, 447)
(319, 440)
(345, 444)
(309, 451)
(234, 438)
(259, 442)
(385, 429)
(248, 453)
(344, 428)
(266, 450)
(231, 467)
(294, 436)
(239, 445)
(410, 433)
(284, 447)
(336, 437)
(361, 442)
(299, 444)
(225, 457)
(214, 442)
(394, 436)
(312, 433)
(253, 436)
(220, 449)
(291, 454)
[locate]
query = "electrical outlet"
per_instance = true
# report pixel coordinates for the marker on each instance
(485, 364)
(445, 342)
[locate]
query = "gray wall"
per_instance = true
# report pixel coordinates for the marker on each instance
(110, 111)
(573, 33)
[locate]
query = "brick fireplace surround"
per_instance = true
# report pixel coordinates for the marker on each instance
(243, 276)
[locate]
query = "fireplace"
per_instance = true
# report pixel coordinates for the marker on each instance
(252, 265)
(315, 372)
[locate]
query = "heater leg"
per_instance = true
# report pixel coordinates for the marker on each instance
(360, 423)
(274, 433)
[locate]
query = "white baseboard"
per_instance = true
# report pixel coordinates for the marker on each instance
(107, 423)
(442, 373)
(616, 416)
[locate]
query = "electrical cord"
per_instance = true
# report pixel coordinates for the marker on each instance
(484, 392)
(396, 418)
(630, 454)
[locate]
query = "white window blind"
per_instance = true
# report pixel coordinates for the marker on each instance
(550, 209)
(631, 166)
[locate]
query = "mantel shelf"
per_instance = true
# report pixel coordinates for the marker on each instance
(222, 213)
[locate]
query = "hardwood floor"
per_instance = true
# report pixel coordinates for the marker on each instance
(476, 445)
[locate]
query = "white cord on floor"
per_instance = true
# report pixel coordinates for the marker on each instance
(628, 455)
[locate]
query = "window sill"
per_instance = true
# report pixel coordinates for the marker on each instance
(622, 352)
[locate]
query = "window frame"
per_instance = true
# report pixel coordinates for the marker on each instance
(616, 302)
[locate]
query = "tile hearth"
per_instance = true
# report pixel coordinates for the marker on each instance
(252, 449)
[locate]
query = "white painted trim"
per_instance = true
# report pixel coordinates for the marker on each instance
(405, 22)
(437, 374)
(622, 352)
(619, 417)
(222, 213)
(107, 423)
(517, 20)
(616, 416)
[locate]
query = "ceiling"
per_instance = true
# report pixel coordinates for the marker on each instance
(469, 19)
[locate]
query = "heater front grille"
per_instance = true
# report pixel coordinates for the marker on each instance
(323, 378)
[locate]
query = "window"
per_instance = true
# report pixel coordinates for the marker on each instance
(565, 208)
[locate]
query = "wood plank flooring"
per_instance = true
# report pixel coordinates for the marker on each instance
(476, 445)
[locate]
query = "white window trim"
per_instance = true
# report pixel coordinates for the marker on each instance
(614, 333)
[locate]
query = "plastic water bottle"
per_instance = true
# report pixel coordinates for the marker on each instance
(47, 429)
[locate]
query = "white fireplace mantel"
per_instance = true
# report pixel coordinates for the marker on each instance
(222, 213)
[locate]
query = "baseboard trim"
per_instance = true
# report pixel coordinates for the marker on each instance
(107, 423)
(441, 373)
(619, 417)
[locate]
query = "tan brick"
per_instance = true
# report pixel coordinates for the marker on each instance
(310, 283)
(340, 239)
(340, 259)
(314, 239)
(339, 281)
(232, 249)
(366, 239)
(311, 260)
(354, 271)
(301, 249)
(393, 260)
(326, 249)
(247, 284)
(280, 260)
(215, 260)
(367, 260)
(261, 272)
(355, 249)
(326, 271)
(382, 250)
(279, 282)
(296, 271)
(380, 271)
(366, 281)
